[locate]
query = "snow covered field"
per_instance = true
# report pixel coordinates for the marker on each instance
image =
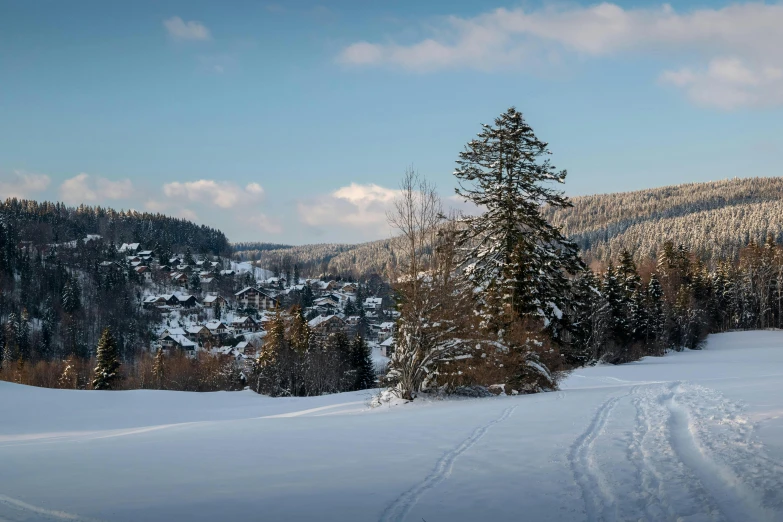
(694, 436)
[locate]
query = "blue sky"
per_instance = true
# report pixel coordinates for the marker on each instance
(293, 122)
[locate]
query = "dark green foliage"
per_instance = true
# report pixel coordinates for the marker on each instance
(362, 364)
(108, 363)
(510, 250)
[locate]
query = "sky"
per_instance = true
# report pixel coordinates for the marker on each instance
(293, 122)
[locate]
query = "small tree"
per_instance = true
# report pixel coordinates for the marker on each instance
(361, 360)
(107, 370)
(159, 368)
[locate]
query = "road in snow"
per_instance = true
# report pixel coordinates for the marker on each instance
(694, 436)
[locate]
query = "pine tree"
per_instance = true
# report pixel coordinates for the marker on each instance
(296, 274)
(107, 370)
(617, 313)
(511, 249)
(216, 310)
(159, 368)
(300, 331)
(588, 308)
(361, 360)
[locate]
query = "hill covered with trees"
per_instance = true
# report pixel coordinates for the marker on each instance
(714, 220)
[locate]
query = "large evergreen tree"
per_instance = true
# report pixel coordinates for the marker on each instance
(108, 363)
(361, 360)
(510, 249)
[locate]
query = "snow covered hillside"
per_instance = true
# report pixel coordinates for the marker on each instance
(694, 436)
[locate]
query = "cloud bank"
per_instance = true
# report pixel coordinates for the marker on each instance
(735, 49)
(23, 184)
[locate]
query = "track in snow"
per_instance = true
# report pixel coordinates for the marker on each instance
(399, 509)
(696, 458)
(596, 493)
(12, 510)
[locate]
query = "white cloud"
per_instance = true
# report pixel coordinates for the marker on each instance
(84, 188)
(264, 223)
(22, 184)
(748, 34)
(221, 194)
(224, 199)
(182, 30)
(360, 207)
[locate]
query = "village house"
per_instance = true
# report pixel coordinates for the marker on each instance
(218, 328)
(326, 324)
(210, 301)
(251, 297)
(245, 324)
(387, 347)
(349, 288)
(144, 271)
(127, 248)
(178, 278)
(373, 303)
(198, 333)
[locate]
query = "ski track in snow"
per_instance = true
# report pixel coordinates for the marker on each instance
(25, 510)
(696, 456)
(399, 509)
(596, 493)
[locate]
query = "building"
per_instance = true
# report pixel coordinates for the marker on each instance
(326, 324)
(245, 324)
(251, 297)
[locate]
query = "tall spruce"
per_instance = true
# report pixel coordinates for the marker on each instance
(108, 363)
(510, 249)
(361, 360)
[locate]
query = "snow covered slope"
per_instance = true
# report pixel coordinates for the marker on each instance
(694, 436)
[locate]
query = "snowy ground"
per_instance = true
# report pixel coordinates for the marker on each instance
(694, 436)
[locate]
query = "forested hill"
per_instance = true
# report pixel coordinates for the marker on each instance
(713, 219)
(45, 223)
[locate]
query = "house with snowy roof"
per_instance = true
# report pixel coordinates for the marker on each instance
(251, 297)
(217, 328)
(210, 300)
(245, 324)
(128, 248)
(171, 341)
(326, 324)
(387, 347)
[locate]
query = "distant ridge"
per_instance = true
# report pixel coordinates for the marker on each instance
(714, 219)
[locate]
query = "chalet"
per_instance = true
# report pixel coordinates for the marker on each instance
(154, 301)
(326, 324)
(385, 330)
(387, 347)
(227, 272)
(178, 278)
(144, 271)
(170, 341)
(331, 286)
(184, 300)
(198, 333)
(255, 298)
(245, 324)
(210, 300)
(373, 303)
(349, 288)
(129, 248)
(218, 328)
(146, 254)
